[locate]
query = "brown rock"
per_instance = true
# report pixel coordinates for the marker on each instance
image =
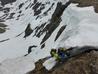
(83, 64)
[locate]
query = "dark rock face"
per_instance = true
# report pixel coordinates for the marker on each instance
(20, 6)
(86, 63)
(30, 48)
(11, 16)
(6, 10)
(46, 12)
(1, 20)
(43, 45)
(28, 31)
(36, 6)
(59, 32)
(2, 28)
(3, 2)
(2, 25)
(86, 3)
(54, 22)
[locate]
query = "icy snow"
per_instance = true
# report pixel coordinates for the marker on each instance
(20, 65)
(87, 27)
(50, 63)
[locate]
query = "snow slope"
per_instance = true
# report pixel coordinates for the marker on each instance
(81, 29)
(20, 65)
(82, 26)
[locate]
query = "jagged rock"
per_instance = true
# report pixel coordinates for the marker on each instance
(7, 1)
(86, 3)
(60, 31)
(2, 28)
(28, 31)
(3, 25)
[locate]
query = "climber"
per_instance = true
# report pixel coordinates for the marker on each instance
(54, 54)
(62, 54)
(59, 54)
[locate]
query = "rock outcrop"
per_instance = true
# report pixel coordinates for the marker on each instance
(86, 63)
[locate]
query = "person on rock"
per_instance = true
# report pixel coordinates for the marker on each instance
(63, 54)
(59, 54)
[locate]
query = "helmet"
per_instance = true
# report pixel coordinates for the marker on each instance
(61, 49)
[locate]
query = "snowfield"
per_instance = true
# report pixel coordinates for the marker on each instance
(82, 26)
(81, 29)
(19, 65)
